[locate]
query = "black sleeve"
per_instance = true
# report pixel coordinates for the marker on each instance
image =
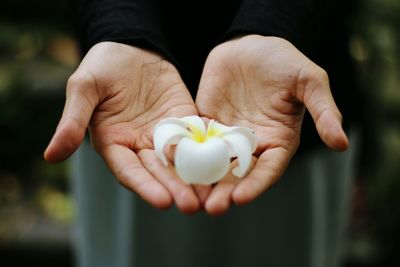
(287, 19)
(134, 22)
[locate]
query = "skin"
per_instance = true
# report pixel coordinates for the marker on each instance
(120, 92)
(266, 84)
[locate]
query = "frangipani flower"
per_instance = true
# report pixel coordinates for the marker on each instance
(203, 156)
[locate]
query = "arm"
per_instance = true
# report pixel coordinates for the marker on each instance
(132, 22)
(287, 19)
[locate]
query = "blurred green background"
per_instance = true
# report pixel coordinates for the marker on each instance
(38, 52)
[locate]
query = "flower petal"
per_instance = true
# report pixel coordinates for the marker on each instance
(215, 128)
(185, 122)
(195, 121)
(220, 130)
(167, 134)
(241, 140)
(202, 163)
(242, 148)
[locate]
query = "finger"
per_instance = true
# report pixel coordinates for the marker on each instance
(130, 172)
(220, 198)
(202, 192)
(183, 194)
(81, 100)
(319, 101)
(266, 172)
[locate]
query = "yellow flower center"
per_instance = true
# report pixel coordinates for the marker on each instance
(200, 137)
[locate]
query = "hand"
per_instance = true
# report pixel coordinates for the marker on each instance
(263, 83)
(121, 92)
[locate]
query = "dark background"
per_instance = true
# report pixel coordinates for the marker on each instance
(38, 52)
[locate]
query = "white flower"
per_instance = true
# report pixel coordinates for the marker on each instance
(203, 155)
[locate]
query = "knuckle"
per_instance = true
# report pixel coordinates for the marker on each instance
(314, 79)
(122, 175)
(319, 75)
(80, 81)
(310, 78)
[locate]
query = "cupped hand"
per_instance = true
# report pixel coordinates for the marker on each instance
(120, 92)
(265, 83)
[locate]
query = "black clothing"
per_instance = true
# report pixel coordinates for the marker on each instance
(184, 32)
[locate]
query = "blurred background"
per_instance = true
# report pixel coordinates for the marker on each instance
(38, 52)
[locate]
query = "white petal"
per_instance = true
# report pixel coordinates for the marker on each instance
(216, 128)
(185, 122)
(222, 130)
(242, 147)
(202, 163)
(195, 121)
(167, 134)
(242, 142)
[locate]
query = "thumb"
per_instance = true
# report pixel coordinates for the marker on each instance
(81, 100)
(319, 101)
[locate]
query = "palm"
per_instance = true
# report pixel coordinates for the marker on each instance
(133, 127)
(250, 92)
(135, 99)
(261, 83)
